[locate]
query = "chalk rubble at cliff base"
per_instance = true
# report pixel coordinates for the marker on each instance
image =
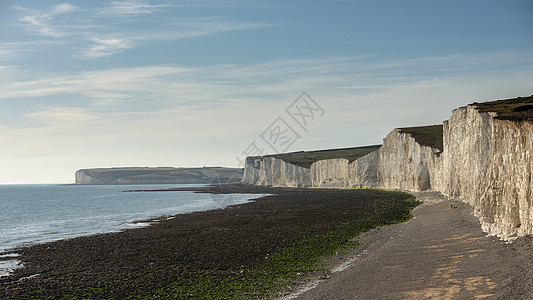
(480, 157)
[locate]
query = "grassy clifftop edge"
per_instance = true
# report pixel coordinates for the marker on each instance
(160, 175)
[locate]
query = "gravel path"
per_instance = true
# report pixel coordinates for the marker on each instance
(439, 254)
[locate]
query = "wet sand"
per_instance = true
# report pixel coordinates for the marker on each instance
(439, 254)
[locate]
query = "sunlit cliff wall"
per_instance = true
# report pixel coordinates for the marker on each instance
(484, 161)
(488, 164)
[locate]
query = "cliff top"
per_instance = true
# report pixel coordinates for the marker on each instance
(163, 173)
(516, 109)
(306, 158)
(430, 136)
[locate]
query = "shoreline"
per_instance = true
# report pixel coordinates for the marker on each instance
(440, 252)
(117, 220)
(9, 257)
(214, 243)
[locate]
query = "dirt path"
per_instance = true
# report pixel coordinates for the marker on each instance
(440, 254)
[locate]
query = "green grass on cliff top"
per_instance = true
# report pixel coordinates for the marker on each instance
(517, 109)
(426, 135)
(306, 158)
(163, 173)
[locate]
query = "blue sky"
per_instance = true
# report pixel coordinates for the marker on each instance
(193, 83)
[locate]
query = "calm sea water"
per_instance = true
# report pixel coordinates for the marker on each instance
(31, 214)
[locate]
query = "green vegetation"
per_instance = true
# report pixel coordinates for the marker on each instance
(250, 251)
(306, 158)
(200, 175)
(517, 109)
(426, 135)
(291, 264)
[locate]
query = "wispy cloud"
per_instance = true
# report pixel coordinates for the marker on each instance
(42, 23)
(95, 83)
(38, 25)
(132, 7)
(16, 50)
(98, 33)
(109, 44)
(8, 50)
(104, 47)
(163, 98)
(277, 78)
(62, 8)
(62, 116)
(187, 28)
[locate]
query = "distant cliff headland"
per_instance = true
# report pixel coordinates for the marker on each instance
(482, 155)
(167, 175)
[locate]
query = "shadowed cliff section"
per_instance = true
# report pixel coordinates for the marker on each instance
(133, 175)
(305, 159)
(430, 136)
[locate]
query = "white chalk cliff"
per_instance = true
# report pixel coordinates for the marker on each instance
(482, 160)
(271, 171)
(82, 177)
(157, 175)
(488, 164)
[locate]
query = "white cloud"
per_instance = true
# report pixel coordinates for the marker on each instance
(268, 87)
(101, 34)
(104, 47)
(43, 23)
(274, 79)
(107, 46)
(121, 83)
(62, 8)
(190, 28)
(132, 7)
(62, 115)
(59, 119)
(40, 26)
(8, 51)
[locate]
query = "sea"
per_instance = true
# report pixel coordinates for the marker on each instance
(32, 214)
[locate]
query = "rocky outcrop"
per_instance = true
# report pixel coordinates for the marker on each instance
(481, 158)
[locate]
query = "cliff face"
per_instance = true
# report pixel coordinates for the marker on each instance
(364, 172)
(488, 164)
(83, 178)
(401, 163)
(331, 173)
(405, 164)
(270, 171)
(157, 175)
(482, 159)
(340, 173)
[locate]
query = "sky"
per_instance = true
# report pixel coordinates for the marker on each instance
(87, 84)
